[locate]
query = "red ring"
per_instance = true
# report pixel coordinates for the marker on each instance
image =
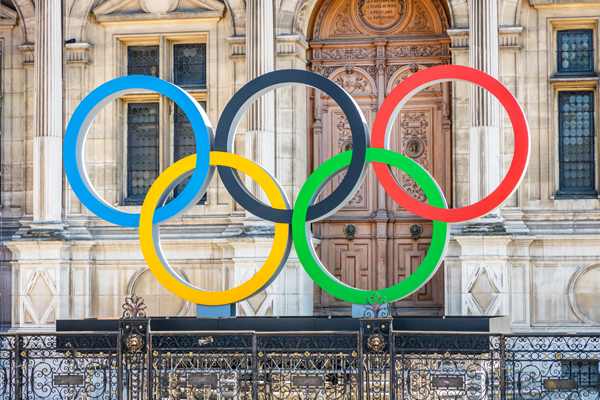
(415, 83)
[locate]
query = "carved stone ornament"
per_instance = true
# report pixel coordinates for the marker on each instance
(343, 23)
(414, 141)
(420, 21)
(301, 21)
(381, 14)
(348, 53)
(159, 6)
(417, 51)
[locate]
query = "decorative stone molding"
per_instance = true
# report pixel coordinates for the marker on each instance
(553, 3)
(347, 53)
(389, 18)
(460, 39)
(78, 54)
(510, 37)
(116, 11)
(485, 288)
(238, 46)
(159, 6)
(28, 50)
(417, 51)
(42, 280)
(301, 18)
(582, 302)
(8, 16)
(485, 279)
(136, 278)
(291, 45)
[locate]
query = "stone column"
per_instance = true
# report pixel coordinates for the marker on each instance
(47, 144)
(260, 42)
(484, 152)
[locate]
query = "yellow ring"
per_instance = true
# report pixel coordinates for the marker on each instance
(160, 266)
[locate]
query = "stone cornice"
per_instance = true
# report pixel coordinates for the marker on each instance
(111, 10)
(9, 17)
(509, 38)
(204, 16)
(553, 3)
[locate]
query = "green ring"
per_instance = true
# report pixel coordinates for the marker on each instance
(306, 253)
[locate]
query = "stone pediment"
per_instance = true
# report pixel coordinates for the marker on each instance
(9, 16)
(119, 10)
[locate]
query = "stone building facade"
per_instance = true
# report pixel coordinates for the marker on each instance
(535, 259)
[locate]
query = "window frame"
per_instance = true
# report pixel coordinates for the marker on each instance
(559, 51)
(133, 199)
(593, 191)
(174, 73)
(558, 193)
(564, 24)
(203, 200)
(570, 82)
(166, 107)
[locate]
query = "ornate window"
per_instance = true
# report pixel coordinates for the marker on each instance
(148, 141)
(576, 142)
(184, 143)
(575, 51)
(143, 60)
(189, 64)
(142, 150)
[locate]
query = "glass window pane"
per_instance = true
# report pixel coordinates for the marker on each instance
(142, 60)
(184, 143)
(189, 64)
(575, 51)
(142, 150)
(576, 141)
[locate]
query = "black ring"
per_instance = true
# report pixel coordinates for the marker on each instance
(242, 100)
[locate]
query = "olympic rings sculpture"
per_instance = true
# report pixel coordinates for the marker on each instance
(292, 226)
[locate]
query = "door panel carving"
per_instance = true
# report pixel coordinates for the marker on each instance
(385, 243)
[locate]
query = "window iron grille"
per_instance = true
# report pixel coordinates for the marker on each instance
(184, 143)
(575, 51)
(189, 64)
(576, 141)
(142, 60)
(142, 150)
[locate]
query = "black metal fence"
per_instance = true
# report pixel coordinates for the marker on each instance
(375, 363)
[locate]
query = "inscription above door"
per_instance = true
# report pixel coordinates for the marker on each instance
(381, 14)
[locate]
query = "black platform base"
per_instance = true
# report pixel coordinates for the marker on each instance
(289, 324)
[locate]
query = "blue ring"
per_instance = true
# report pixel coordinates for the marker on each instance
(78, 127)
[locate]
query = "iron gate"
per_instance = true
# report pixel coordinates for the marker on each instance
(375, 363)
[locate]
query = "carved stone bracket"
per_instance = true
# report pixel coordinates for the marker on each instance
(28, 50)
(78, 54)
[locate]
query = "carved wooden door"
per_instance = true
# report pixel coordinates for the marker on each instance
(373, 242)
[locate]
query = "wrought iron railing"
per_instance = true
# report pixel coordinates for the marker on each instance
(374, 363)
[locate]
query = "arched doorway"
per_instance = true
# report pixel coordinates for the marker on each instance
(368, 47)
